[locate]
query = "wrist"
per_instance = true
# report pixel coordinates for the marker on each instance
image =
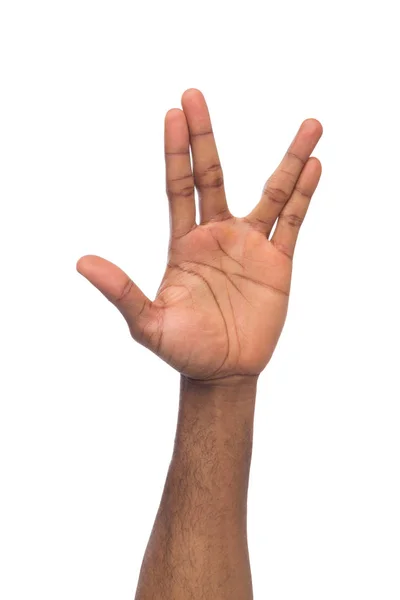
(229, 389)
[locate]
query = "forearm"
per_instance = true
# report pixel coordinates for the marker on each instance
(198, 546)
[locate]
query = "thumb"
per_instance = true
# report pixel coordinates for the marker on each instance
(119, 289)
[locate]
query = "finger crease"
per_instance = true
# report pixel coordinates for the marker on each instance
(183, 153)
(180, 178)
(192, 135)
(185, 192)
(214, 184)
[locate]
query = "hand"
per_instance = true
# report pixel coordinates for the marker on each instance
(222, 302)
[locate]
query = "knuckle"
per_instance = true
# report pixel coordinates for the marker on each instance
(293, 220)
(303, 192)
(283, 248)
(210, 177)
(286, 175)
(124, 291)
(264, 224)
(277, 195)
(181, 186)
(215, 167)
(181, 178)
(184, 191)
(296, 157)
(222, 215)
(260, 222)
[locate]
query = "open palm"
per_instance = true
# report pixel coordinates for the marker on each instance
(222, 302)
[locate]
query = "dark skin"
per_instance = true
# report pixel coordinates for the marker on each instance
(216, 319)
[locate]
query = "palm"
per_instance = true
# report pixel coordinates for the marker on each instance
(222, 302)
(223, 299)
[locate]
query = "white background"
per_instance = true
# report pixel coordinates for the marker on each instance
(87, 417)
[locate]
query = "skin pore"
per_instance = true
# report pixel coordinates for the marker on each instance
(216, 319)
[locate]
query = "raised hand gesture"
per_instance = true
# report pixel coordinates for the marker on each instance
(222, 302)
